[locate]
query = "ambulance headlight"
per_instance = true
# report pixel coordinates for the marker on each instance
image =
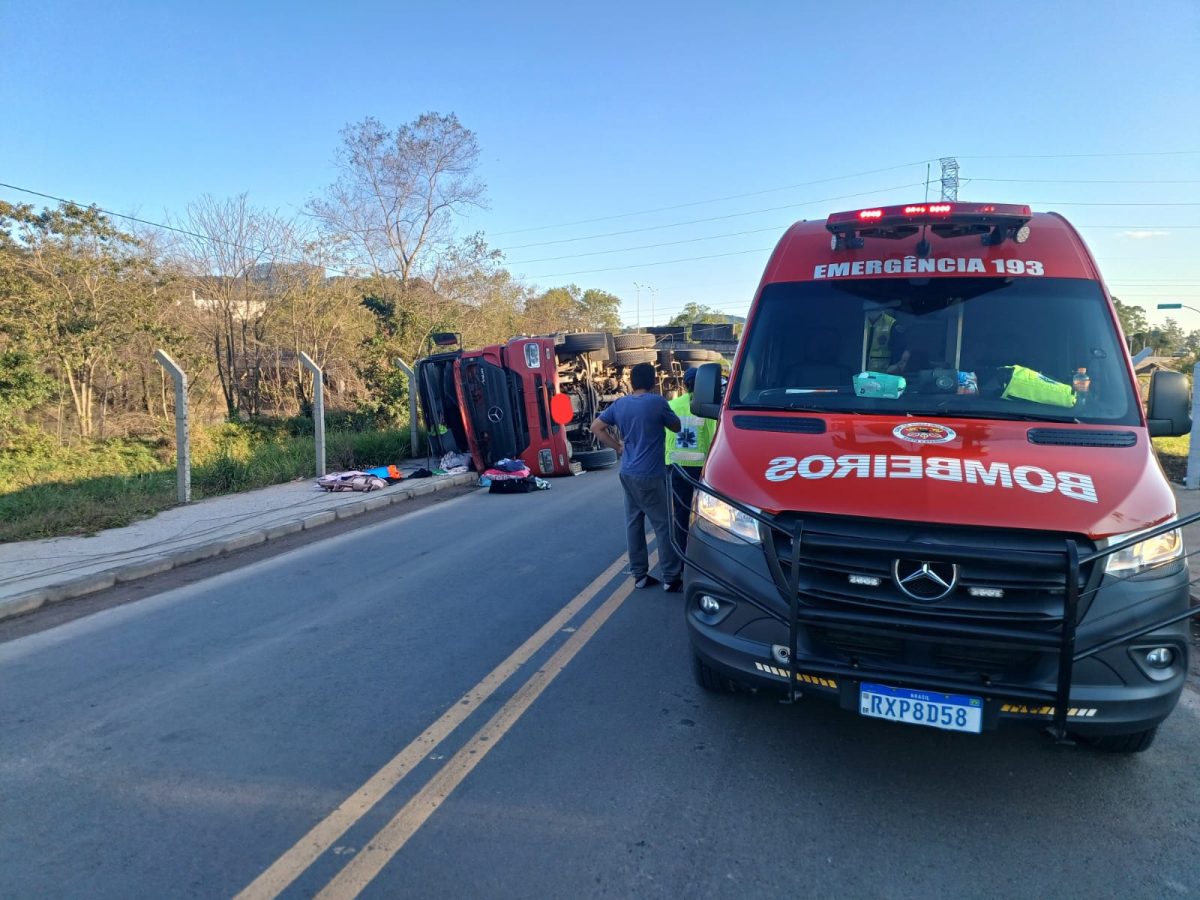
(1145, 555)
(731, 524)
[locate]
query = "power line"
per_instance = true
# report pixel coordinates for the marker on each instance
(919, 162)
(645, 212)
(1080, 181)
(165, 227)
(775, 228)
(752, 212)
(1090, 155)
(665, 262)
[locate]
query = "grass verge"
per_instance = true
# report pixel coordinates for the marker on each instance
(1173, 454)
(113, 483)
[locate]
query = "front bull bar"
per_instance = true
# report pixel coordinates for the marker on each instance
(1061, 639)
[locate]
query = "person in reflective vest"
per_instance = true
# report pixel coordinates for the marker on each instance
(688, 450)
(887, 349)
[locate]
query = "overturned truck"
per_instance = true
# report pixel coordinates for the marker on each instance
(503, 400)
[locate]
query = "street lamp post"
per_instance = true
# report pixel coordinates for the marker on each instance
(637, 287)
(1191, 480)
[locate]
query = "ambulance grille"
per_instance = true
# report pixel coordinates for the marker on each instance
(1028, 567)
(1071, 437)
(856, 647)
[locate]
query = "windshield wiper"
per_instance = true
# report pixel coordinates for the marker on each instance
(1003, 416)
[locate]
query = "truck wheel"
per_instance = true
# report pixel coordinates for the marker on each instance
(691, 355)
(633, 341)
(1137, 742)
(710, 679)
(603, 458)
(633, 357)
(585, 341)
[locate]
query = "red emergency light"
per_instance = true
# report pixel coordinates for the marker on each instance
(995, 221)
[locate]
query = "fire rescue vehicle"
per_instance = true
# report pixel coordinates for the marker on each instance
(932, 496)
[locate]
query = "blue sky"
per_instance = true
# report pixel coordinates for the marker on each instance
(593, 112)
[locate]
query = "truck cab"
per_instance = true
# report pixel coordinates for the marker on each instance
(932, 497)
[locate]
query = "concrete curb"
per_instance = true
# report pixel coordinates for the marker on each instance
(29, 601)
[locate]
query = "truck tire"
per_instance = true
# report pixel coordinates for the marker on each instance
(712, 680)
(691, 355)
(585, 341)
(633, 357)
(603, 458)
(1137, 742)
(633, 341)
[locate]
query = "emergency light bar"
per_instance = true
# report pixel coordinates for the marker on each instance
(995, 221)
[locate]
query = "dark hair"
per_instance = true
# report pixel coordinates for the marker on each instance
(689, 378)
(642, 377)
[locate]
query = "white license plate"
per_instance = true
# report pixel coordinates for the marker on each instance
(953, 712)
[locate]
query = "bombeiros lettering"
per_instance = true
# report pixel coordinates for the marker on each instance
(933, 265)
(1034, 479)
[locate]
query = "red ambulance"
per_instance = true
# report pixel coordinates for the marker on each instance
(932, 497)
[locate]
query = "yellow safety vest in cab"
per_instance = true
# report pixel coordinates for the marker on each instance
(879, 342)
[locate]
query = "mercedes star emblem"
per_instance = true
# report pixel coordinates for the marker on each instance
(495, 414)
(925, 581)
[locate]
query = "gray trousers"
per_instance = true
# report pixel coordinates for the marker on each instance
(646, 498)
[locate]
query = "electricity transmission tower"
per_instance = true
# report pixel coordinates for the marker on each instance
(949, 178)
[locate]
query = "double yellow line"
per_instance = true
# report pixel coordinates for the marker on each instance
(362, 868)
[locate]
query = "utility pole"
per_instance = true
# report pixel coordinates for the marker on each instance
(637, 287)
(653, 296)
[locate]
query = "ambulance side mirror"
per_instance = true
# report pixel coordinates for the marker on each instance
(1168, 411)
(706, 395)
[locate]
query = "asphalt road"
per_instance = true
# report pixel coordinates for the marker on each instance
(324, 722)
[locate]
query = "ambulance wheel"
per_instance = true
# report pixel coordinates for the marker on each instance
(710, 679)
(603, 458)
(585, 341)
(1136, 742)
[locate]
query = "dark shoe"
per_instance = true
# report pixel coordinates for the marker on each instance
(645, 581)
(673, 587)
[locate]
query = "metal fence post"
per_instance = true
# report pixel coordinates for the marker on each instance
(183, 449)
(413, 448)
(1191, 481)
(318, 409)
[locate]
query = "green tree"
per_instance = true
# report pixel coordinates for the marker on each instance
(1134, 325)
(76, 291)
(570, 308)
(698, 314)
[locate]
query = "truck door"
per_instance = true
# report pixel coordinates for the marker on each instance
(494, 404)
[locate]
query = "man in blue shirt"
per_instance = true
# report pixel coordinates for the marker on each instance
(641, 418)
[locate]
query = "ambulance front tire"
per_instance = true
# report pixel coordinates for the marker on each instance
(712, 680)
(1136, 742)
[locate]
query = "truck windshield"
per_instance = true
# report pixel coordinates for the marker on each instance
(1039, 349)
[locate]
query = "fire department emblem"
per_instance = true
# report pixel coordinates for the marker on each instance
(924, 433)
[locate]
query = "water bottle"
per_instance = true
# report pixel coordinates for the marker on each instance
(1081, 381)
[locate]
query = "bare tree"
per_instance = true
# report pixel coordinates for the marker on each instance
(398, 193)
(230, 258)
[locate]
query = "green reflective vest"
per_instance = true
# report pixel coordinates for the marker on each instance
(690, 446)
(1027, 384)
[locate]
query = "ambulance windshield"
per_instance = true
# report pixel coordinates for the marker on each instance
(1040, 349)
